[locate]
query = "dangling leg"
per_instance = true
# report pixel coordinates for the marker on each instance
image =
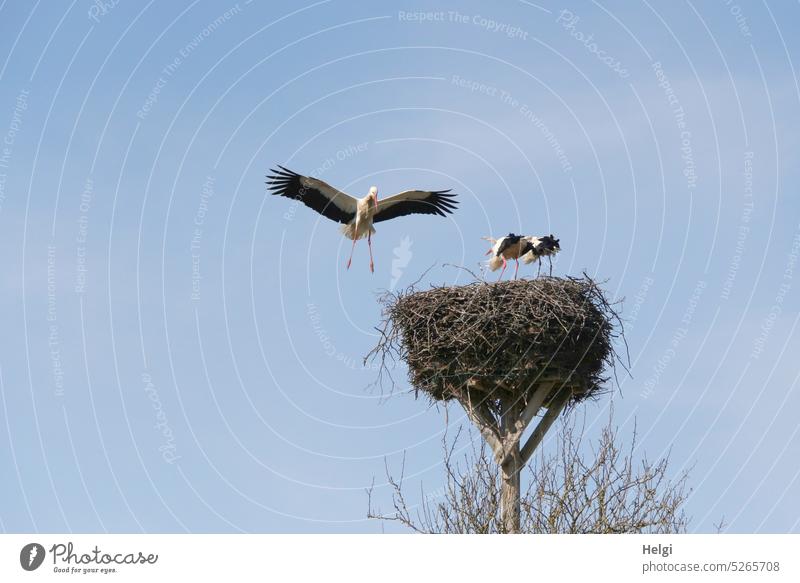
(505, 264)
(353, 248)
(516, 269)
(369, 244)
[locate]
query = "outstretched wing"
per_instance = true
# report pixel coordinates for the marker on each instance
(316, 194)
(425, 202)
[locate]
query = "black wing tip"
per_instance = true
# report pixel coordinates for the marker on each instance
(279, 180)
(447, 201)
(282, 172)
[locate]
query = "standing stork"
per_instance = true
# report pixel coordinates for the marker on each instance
(509, 247)
(358, 214)
(546, 246)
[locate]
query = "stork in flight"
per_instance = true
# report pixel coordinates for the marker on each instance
(358, 214)
(517, 247)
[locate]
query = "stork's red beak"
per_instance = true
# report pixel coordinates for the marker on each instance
(375, 202)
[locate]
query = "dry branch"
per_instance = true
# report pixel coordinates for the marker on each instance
(581, 484)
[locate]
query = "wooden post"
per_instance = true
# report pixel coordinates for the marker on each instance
(503, 435)
(510, 491)
(510, 465)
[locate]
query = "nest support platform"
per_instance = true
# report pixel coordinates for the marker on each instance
(505, 351)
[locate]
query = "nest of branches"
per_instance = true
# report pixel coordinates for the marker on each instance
(486, 342)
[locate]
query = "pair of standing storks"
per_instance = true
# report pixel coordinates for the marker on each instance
(357, 215)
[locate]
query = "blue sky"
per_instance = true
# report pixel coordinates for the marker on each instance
(182, 352)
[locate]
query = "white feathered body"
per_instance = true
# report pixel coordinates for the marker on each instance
(513, 251)
(542, 247)
(495, 263)
(532, 255)
(361, 226)
(527, 248)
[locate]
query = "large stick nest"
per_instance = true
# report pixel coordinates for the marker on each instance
(490, 341)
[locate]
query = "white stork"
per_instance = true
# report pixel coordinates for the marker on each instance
(509, 247)
(358, 214)
(517, 247)
(545, 246)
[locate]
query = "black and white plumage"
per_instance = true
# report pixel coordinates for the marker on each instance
(509, 247)
(545, 246)
(358, 215)
(517, 247)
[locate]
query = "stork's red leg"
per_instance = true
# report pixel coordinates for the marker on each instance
(371, 262)
(353, 248)
(505, 264)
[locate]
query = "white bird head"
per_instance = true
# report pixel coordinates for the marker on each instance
(373, 194)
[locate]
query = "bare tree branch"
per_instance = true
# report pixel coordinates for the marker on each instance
(553, 411)
(577, 486)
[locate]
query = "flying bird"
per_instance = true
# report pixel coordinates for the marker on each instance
(357, 215)
(545, 246)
